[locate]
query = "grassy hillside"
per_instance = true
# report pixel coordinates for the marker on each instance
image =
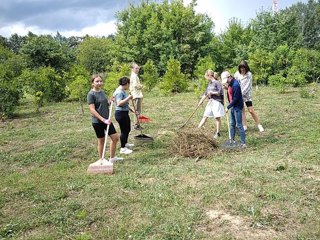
(269, 191)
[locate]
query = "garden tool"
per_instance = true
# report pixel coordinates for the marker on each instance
(103, 166)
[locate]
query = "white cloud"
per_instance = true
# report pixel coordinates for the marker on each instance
(100, 29)
(21, 30)
(209, 8)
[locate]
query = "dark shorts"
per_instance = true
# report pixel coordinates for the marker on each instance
(249, 103)
(99, 128)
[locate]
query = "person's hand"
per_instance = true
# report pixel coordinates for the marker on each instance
(111, 100)
(130, 96)
(107, 121)
(137, 113)
(227, 110)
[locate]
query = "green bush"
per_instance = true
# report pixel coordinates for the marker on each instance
(173, 80)
(78, 83)
(150, 76)
(295, 77)
(278, 81)
(44, 84)
(11, 66)
(9, 99)
(118, 70)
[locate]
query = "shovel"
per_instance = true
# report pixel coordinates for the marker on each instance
(103, 166)
(141, 136)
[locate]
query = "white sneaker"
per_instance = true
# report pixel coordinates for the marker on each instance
(245, 128)
(261, 129)
(216, 135)
(129, 145)
(114, 159)
(243, 146)
(125, 150)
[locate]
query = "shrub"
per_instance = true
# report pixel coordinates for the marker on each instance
(150, 75)
(278, 81)
(173, 80)
(118, 70)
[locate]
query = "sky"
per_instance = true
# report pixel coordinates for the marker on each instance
(98, 17)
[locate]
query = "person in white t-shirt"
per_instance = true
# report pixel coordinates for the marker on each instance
(244, 77)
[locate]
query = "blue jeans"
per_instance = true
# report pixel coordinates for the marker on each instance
(236, 122)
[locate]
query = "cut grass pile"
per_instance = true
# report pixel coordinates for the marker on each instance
(269, 191)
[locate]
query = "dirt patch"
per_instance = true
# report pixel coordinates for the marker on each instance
(221, 224)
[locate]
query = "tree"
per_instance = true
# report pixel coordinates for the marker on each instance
(95, 54)
(79, 85)
(117, 71)
(45, 51)
(150, 75)
(261, 65)
(11, 92)
(173, 79)
(44, 84)
(156, 31)
(15, 42)
(235, 42)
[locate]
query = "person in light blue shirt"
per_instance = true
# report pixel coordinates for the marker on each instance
(122, 99)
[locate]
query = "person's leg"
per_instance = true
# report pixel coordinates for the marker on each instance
(138, 106)
(254, 115)
(202, 122)
(232, 124)
(218, 124)
(100, 146)
(244, 120)
(99, 129)
(113, 144)
(114, 138)
(238, 119)
(122, 124)
(126, 128)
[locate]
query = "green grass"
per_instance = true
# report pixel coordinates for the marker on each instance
(269, 191)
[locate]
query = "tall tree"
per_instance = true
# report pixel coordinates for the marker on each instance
(45, 51)
(95, 54)
(158, 30)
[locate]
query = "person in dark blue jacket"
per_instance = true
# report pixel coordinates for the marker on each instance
(235, 106)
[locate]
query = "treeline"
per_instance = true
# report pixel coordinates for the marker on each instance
(174, 46)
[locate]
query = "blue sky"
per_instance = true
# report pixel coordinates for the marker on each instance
(97, 17)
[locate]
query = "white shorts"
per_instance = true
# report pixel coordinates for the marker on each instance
(214, 109)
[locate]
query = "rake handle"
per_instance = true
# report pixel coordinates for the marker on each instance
(227, 114)
(190, 117)
(107, 132)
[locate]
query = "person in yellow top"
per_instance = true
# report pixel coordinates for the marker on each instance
(136, 92)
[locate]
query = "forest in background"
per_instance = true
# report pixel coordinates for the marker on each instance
(173, 44)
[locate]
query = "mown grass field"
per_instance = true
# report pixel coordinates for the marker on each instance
(269, 191)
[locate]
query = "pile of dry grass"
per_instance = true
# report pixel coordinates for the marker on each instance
(193, 143)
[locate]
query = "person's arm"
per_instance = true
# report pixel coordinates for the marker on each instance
(120, 102)
(236, 93)
(93, 111)
(202, 99)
